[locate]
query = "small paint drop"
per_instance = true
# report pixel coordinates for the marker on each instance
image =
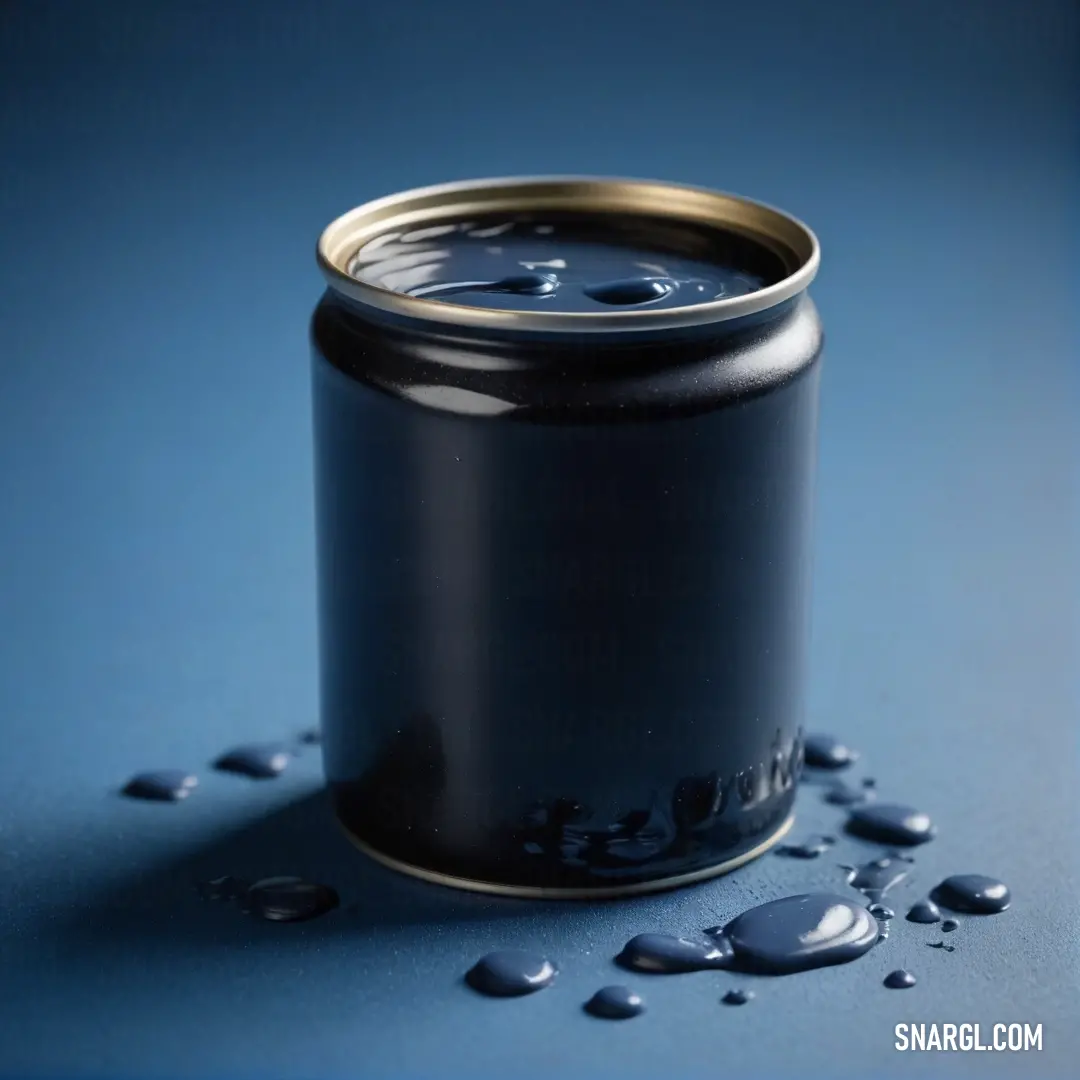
(289, 899)
(881, 912)
(924, 911)
(260, 762)
(884, 935)
(840, 794)
(869, 782)
(809, 849)
(224, 888)
(899, 980)
(630, 291)
(877, 877)
(975, 894)
(889, 823)
(738, 997)
(311, 737)
(826, 752)
(510, 973)
(941, 945)
(948, 926)
(798, 933)
(161, 785)
(615, 1003)
(663, 954)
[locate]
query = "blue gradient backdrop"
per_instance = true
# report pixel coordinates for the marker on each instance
(164, 171)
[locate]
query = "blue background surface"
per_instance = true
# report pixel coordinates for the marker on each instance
(165, 169)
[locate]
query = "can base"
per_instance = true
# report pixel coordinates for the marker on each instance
(613, 892)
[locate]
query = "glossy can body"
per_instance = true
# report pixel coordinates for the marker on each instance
(563, 644)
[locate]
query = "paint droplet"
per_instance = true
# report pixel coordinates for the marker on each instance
(802, 932)
(511, 973)
(260, 762)
(876, 878)
(809, 849)
(738, 997)
(924, 911)
(975, 894)
(890, 823)
(900, 980)
(630, 291)
(615, 1003)
(663, 954)
(161, 785)
(289, 899)
(827, 752)
(840, 794)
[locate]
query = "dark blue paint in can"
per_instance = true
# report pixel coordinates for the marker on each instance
(565, 435)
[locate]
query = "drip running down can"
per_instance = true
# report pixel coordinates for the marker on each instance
(565, 435)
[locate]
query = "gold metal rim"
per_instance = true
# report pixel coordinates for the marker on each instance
(777, 230)
(613, 892)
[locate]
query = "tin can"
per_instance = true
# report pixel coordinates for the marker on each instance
(564, 551)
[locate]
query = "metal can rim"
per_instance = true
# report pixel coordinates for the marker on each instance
(785, 235)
